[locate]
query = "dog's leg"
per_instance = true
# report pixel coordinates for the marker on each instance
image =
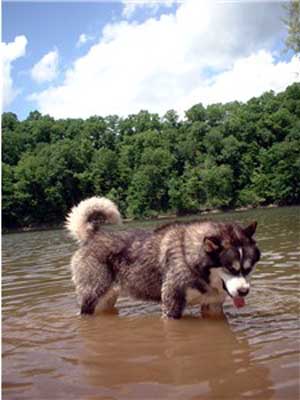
(88, 304)
(92, 281)
(173, 301)
(108, 301)
(97, 291)
(212, 311)
(89, 300)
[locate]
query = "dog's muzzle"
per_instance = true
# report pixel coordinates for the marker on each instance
(238, 294)
(243, 292)
(225, 288)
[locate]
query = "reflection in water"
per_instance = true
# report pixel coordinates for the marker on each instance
(153, 358)
(50, 352)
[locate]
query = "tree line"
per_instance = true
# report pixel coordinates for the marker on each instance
(219, 156)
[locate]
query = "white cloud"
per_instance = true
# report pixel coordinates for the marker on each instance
(249, 77)
(131, 6)
(46, 69)
(9, 53)
(83, 39)
(204, 52)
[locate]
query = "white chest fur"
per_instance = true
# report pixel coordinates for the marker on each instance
(216, 294)
(194, 297)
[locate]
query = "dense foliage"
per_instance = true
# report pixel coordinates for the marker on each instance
(221, 156)
(292, 23)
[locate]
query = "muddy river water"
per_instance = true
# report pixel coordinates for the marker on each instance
(49, 352)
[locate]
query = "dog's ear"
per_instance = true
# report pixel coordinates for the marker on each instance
(250, 230)
(211, 244)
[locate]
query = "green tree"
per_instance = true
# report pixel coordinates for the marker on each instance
(292, 23)
(197, 113)
(103, 171)
(9, 121)
(219, 184)
(48, 180)
(187, 193)
(10, 216)
(148, 190)
(222, 155)
(277, 178)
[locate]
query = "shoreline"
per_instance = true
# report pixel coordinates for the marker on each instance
(206, 211)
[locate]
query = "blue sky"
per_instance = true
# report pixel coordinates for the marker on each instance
(153, 55)
(50, 25)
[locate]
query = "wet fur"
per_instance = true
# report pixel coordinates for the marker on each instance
(170, 265)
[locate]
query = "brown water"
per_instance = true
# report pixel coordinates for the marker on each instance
(49, 352)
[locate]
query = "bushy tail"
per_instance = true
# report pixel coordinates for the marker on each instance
(87, 217)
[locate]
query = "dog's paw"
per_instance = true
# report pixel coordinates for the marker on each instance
(170, 316)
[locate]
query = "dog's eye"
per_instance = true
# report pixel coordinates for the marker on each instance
(252, 256)
(247, 271)
(236, 265)
(232, 270)
(247, 264)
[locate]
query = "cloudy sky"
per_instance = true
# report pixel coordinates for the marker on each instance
(77, 59)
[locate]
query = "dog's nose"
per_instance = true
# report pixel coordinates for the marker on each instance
(243, 291)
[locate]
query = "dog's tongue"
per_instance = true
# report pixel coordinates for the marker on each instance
(239, 301)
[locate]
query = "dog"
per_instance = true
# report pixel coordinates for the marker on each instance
(176, 264)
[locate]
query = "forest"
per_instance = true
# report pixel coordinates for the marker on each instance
(220, 156)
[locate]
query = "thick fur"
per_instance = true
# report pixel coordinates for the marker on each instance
(87, 217)
(174, 264)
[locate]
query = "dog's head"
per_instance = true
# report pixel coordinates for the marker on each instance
(235, 254)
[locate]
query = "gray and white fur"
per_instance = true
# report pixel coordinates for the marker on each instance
(176, 264)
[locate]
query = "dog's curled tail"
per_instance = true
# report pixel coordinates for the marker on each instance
(86, 218)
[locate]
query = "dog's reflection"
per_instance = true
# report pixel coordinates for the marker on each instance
(182, 359)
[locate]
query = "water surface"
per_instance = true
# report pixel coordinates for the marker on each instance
(49, 352)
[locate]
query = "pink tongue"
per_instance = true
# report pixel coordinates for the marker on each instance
(239, 301)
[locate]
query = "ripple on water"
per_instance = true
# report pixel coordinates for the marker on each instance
(50, 352)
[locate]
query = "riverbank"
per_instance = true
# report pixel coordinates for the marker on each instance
(161, 217)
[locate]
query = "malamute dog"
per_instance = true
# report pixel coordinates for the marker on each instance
(176, 264)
